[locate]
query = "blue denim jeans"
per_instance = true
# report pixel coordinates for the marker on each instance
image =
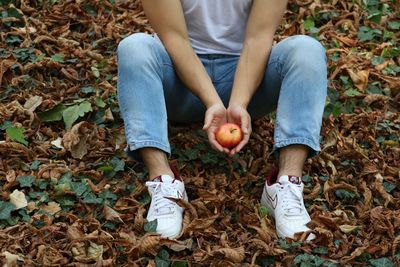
(150, 92)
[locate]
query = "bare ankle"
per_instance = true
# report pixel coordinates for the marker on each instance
(291, 160)
(156, 162)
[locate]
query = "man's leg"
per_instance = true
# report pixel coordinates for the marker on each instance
(149, 94)
(295, 83)
(148, 90)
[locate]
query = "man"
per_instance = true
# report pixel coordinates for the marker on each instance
(215, 61)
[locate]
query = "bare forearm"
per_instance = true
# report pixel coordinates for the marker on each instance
(190, 70)
(265, 16)
(250, 71)
(166, 17)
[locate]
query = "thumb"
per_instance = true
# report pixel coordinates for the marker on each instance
(207, 121)
(245, 124)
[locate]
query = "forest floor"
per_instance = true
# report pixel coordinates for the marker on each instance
(69, 196)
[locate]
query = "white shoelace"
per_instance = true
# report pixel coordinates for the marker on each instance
(292, 200)
(162, 205)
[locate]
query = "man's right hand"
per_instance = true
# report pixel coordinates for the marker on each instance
(215, 116)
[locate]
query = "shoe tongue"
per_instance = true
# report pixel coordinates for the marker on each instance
(285, 179)
(163, 178)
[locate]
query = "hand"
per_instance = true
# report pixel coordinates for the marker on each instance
(215, 117)
(239, 115)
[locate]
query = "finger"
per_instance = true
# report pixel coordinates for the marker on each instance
(214, 143)
(241, 144)
(245, 140)
(244, 121)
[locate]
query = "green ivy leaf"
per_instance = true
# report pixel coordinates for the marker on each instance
(305, 259)
(265, 261)
(26, 181)
(367, 34)
(389, 186)
(108, 195)
(39, 197)
(382, 262)
(79, 188)
(5, 210)
(320, 250)
(162, 258)
(118, 165)
(151, 226)
(72, 113)
(309, 23)
(6, 125)
(88, 90)
(16, 134)
(35, 165)
(390, 52)
(352, 92)
(91, 198)
(179, 264)
(58, 58)
(394, 25)
(263, 211)
(376, 60)
(99, 102)
(54, 114)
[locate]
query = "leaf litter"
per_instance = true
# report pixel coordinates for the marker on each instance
(70, 196)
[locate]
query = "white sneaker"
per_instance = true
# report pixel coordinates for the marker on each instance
(167, 212)
(284, 200)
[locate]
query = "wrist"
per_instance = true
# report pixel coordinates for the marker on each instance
(242, 103)
(212, 102)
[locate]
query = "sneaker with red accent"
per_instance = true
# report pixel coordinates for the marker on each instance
(284, 200)
(167, 213)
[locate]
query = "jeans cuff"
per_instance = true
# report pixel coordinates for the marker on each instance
(314, 147)
(131, 149)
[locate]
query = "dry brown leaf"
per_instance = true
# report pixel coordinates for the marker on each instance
(111, 214)
(359, 78)
(371, 98)
(149, 244)
(52, 207)
(12, 260)
(95, 251)
(33, 102)
(232, 254)
(77, 138)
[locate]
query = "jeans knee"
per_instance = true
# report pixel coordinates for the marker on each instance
(135, 47)
(306, 50)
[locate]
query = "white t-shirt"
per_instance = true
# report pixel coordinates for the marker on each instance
(216, 26)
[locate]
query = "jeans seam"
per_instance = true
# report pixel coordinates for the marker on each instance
(148, 143)
(299, 140)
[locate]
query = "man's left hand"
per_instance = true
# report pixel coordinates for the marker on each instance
(239, 115)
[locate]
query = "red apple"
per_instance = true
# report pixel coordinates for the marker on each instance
(229, 135)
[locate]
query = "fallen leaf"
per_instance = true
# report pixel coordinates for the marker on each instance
(18, 199)
(76, 139)
(345, 228)
(111, 214)
(12, 260)
(52, 207)
(359, 78)
(232, 254)
(95, 251)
